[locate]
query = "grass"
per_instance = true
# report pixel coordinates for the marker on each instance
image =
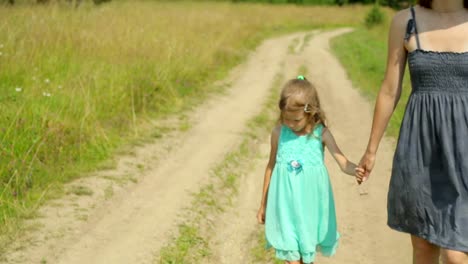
(78, 84)
(81, 190)
(188, 239)
(363, 53)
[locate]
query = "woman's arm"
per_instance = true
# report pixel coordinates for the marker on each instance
(268, 171)
(390, 90)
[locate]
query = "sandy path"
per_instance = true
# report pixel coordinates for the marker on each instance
(133, 224)
(365, 237)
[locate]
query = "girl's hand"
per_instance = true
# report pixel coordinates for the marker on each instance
(360, 174)
(261, 215)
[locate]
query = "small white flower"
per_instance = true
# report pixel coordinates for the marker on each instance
(1, 46)
(295, 164)
(60, 87)
(1, 54)
(18, 89)
(46, 94)
(47, 81)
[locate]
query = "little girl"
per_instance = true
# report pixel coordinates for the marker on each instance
(300, 212)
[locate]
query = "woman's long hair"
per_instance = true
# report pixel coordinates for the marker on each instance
(428, 3)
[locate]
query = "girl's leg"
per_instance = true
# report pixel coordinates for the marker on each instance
(424, 252)
(454, 257)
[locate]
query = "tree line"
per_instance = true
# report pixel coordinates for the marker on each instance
(74, 2)
(397, 4)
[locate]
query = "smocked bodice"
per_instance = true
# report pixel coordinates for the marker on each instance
(438, 71)
(307, 149)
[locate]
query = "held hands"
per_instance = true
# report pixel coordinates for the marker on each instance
(359, 174)
(354, 170)
(366, 165)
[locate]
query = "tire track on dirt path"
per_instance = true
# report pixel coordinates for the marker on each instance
(135, 224)
(362, 218)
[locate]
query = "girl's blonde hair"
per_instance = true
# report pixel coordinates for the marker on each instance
(301, 95)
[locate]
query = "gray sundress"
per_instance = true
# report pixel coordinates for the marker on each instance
(428, 194)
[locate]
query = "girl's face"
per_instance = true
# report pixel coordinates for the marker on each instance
(296, 121)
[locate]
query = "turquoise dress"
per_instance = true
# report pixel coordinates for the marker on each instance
(300, 215)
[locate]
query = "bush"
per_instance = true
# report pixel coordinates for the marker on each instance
(298, 2)
(374, 17)
(397, 4)
(98, 2)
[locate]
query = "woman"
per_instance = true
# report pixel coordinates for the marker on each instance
(428, 195)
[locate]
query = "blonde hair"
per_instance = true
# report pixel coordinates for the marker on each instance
(301, 95)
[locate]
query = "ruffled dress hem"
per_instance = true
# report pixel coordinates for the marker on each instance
(306, 256)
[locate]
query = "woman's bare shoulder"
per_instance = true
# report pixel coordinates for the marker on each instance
(400, 19)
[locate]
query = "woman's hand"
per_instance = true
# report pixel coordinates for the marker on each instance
(261, 215)
(360, 173)
(367, 164)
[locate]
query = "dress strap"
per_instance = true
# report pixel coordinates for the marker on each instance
(412, 28)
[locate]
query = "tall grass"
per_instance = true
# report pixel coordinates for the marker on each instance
(364, 53)
(299, 2)
(75, 84)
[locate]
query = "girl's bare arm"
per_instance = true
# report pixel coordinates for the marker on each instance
(268, 171)
(345, 165)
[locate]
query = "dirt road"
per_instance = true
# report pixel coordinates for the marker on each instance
(130, 222)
